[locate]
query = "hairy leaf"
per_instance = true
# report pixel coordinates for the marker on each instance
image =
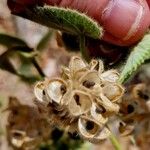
(66, 20)
(139, 54)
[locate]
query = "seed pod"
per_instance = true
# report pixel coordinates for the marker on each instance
(80, 103)
(91, 82)
(96, 113)
(113, 92)
(120, 29)
(110, 76)
(83, 99)
(90, 130)
(55, 90)
(39, 91)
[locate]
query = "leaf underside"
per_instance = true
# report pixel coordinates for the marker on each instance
(10, 41)
(67, 20)
(139, 54)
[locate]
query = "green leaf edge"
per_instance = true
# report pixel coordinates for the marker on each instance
(137, 57)
(10, 41)
(65, 19)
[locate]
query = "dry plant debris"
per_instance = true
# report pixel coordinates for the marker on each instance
(26, 128)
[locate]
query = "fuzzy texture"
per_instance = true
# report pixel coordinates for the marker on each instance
(124, 21)
(139, 54)
(66, 20)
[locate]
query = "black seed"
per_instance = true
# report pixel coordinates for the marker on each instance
(77, 99)
(44, 92)
(63, 89)
(120, 123)
(50, 104)
(39, 133)
(53, 104)
(56, 134)
(16, 135)
(130, 108)
(100, 109)
(143, 96)
(15, 112)
(89, 125)
(63, 118)
(55, 111)
(88, 84)
(102, 85)
(12, 124)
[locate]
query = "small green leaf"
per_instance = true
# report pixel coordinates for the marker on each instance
(5, 63)
(139, 54)
(10, 41)
(66, 20)
(29, 55)
(44, 41)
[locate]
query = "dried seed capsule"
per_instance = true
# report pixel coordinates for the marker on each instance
(80, 102)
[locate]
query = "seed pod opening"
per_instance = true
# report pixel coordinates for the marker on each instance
(76, 63)
(91, 82)
(110, 76)
(55, 89)
(97, 65)
(87, 127)
(113, 92)
(39, 91)
(107, 104)
(80, 103)
(19, 138)
(92, 131)
(96, 113)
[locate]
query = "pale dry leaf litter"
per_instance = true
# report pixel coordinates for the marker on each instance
(82, 99)
(26, 127)
(135, 112)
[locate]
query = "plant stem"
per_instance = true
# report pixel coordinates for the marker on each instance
(83, 47)
(38, 68)
(115, 142)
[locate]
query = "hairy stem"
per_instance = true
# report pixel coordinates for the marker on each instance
(83, 47)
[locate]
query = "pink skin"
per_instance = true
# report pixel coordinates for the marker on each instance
(124, 21)
(148, 1)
